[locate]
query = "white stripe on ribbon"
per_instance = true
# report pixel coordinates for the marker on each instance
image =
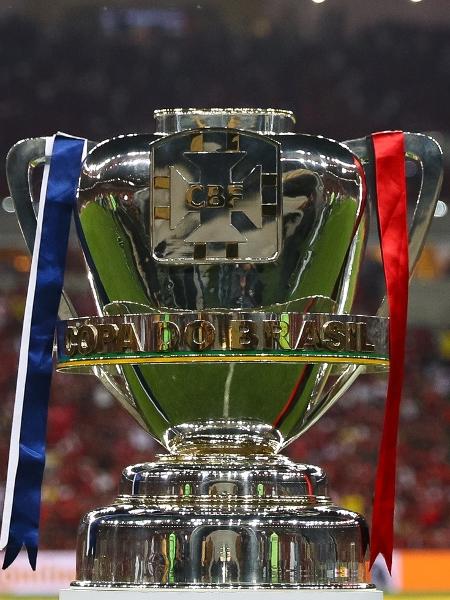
(13, 459)
(16, 427)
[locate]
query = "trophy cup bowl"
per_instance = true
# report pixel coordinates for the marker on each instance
(223, 253)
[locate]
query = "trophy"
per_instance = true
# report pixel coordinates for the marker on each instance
(223, 252)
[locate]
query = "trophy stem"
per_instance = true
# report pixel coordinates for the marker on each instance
(224, 436)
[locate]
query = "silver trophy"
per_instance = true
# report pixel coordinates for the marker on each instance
(223, 254)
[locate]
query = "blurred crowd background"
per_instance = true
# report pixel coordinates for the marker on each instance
(100, 69)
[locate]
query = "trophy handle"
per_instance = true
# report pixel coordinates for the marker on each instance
(21, 161)
(425, 151)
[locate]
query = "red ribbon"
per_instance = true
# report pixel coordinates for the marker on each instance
(389, 154)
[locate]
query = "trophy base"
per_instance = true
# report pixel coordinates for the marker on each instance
(220, 594)
(223, 521)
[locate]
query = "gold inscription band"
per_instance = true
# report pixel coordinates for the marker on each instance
(227, 337)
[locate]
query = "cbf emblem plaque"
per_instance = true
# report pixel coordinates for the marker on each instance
(215, 197)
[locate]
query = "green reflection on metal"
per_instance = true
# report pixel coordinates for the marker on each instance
(112, 253)
(172, 555)
(153, 417)
(263, 354)
(274, 557)
(322, 271)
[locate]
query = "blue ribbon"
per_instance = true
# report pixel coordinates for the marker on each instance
(60, 197)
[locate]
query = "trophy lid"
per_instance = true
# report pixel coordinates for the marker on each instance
(262, 120)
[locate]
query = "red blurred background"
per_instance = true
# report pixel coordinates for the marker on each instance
(98, 70)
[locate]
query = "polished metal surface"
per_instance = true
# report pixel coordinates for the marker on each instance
(223, 253)
(322, 205)
(196, 545)
(249, 521)
(21, 162)
(267, 121)
(245, 475)
(215, 197)
(427, 154)
(233, 337)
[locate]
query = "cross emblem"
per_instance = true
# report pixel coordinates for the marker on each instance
(215, 198)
